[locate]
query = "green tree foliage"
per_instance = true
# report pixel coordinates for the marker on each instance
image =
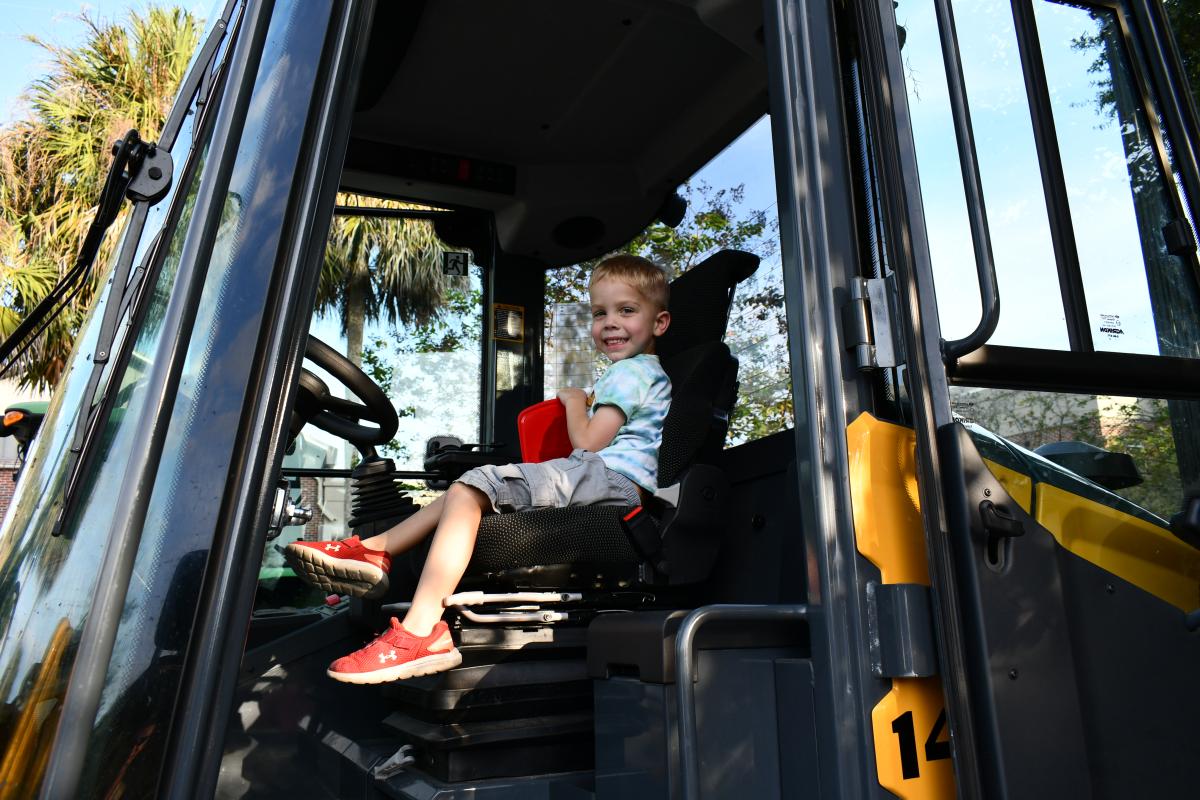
(1184, 16)
(54, 160)
(758, 335)
(716, 224)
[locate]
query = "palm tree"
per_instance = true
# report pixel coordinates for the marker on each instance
(380, 268)
(54, 160)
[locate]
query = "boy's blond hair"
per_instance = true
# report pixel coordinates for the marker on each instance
(647, 277)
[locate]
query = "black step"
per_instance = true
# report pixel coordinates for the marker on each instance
(495, 691)
(499, 748)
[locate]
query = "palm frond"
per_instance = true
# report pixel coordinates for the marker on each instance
(402, 257)
(54, 160)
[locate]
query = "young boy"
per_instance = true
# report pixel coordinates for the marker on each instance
(616, 435)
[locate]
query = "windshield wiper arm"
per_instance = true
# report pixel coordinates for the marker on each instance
(127, 291)
(139, 170)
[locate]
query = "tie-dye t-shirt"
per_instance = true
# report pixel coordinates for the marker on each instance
(640, 388)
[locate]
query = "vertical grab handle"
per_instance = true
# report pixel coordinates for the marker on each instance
(964, 134)
(685, 676)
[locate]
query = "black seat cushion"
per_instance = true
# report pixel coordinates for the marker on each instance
(594, 534)
(582, 534)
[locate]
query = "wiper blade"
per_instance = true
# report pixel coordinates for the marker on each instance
(128, 292)
(139, 170)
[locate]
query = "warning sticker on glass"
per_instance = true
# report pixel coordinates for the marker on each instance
(1110, 326)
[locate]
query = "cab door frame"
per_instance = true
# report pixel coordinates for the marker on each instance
(261, 388)
(203, 710)
(809, 44)
(973, 709)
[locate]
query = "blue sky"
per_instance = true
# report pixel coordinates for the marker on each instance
(1094, 163)
(56, 21)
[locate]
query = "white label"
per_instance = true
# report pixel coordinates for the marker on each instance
(1110, 326)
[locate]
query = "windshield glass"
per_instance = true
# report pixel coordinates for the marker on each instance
(46, 581)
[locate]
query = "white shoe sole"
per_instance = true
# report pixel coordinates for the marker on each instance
(436, 662)
(337, 575)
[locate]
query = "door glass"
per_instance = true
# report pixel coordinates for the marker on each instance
(144, 674)
(47, 581)
(1140, 297)
(1031, 311)
(1155, 434)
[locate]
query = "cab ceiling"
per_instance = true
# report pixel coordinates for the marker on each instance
(601, 109)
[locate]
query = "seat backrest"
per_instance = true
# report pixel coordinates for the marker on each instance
(700, 301)
(703, 373)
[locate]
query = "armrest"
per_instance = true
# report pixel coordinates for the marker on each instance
(684, 545)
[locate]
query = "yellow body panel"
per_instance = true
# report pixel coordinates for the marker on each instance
(1133, 549)
(25, 758)
(922, 697)
(887, 510)
(888, 531)
(1018, 485)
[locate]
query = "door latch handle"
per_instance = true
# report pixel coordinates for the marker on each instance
(999, 521)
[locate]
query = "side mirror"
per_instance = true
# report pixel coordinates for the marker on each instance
(1110, 470)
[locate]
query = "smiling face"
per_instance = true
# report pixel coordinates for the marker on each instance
(624, 322)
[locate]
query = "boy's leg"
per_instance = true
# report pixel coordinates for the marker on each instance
(360, 568)
(409, 533)
(422, 644)
(449, 554)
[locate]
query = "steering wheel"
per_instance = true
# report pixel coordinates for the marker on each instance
(341, 417)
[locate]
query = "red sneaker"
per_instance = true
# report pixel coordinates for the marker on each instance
(398, 654)
(344, 567)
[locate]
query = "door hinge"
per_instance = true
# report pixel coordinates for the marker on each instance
(900, 630)
(867, 323)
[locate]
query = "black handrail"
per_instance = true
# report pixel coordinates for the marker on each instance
(981, 237)
(1106, 373)
(685, 675)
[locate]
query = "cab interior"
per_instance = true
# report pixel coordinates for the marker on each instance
(532, 171)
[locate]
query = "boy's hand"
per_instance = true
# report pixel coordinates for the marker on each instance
(589, 433)
(569, 396)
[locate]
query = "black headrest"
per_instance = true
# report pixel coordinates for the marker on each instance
(700, 300)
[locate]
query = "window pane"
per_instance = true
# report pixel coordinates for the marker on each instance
(143, 677)
(1156, 434)
(1012, 185)
(731, 205)
(1141, 299)
(47, 581)
(416, 332)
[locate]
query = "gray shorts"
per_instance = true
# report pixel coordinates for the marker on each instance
(580, 479)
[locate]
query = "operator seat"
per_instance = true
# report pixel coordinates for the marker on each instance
(608, 546)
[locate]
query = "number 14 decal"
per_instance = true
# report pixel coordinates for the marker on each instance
(935, 750)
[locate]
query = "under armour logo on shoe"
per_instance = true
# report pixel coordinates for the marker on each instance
(386, 657)
(333, 548)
